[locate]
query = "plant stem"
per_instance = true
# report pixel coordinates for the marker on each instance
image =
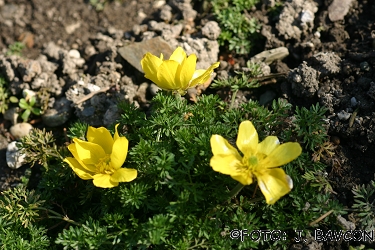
(58, 216)
(235, 190)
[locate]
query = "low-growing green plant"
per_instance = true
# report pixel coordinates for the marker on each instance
(3, 95)
(15, 49)
(239, 29)
(310, 125)
(28, 104)
(364, 205)
(240, 81)
(177, 201)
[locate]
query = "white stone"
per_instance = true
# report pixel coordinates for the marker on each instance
(73, 53)
(14, 157)
(20, 130)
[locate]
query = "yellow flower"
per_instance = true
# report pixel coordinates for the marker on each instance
(176, 74)
(260, 161)
(100, 158)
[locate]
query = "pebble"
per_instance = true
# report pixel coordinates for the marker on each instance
(59, 114)
(267, 97)
(343, 115)
(335, 140)
(153, 89)
(73, 53)
(20, 130)
(134, 53)
(14, 157)
(338, 9)
(353, 102)
(364, 66)
(211, 30)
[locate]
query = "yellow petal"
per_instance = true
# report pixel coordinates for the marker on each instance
(150, 65)
(283, 154)
(101, 137)
(178, 55)
(274, 184)
(226, 164)
(201, 76)
(268, 145)
(220, 146)
(73, 150)
(244, 179)
(87, 152)
(78, 169)
(124, 175)
(247, 139)
(116, 136)
(119, 152)
(104, 181)
(167, 75)
(186, 70)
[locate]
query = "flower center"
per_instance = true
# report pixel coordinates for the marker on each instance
(104, 165)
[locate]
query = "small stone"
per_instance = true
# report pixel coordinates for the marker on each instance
(364, 66)
(73, 53)
(20, 130)
(111, 115)
(267, 97)
(153, 89)
(72, 27)
(347, 225)
(11, 114)
(14, 157)
(59, 114)
(343, 115)
(335, 140)
(353, 102)
(211, 30)
(166, 13)
(338, 9)
(134, 53)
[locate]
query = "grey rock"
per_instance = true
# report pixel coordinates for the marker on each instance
(338, 9)
(185, 7)
(28, 69)
(327, 63)
(206, 50)
(269, 56)
(140, 96)
(6, 69)
(153, 89)
(346, 224)
(364, 66)
(20, 130)
(297, 17)
(15, 159)
(211, 30)
(343, 115)
(307, 82)
(267, 97)
(59, 114)
(134, 53)
(166, 13)
(111, 115)
(11, 114)
(46, 65)
(52, 50)
(353, 102)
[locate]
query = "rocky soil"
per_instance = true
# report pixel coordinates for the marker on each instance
(80, 61)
